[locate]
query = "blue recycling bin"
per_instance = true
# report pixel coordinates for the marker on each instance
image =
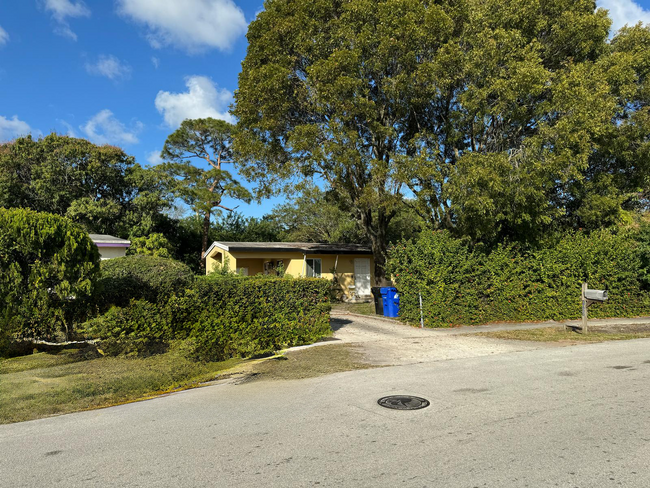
(390, 300)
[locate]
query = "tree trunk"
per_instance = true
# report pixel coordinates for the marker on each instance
(379, 253)
(379, 246)
(376, 230)
(204, 242)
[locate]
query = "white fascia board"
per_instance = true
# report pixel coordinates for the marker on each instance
(217, 245)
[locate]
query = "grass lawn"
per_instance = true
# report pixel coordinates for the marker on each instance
(310, 362)
(43, 384)
(360, 308)
(558, 334)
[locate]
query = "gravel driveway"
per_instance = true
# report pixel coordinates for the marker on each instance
(384, 342)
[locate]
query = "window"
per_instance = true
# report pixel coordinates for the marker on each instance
(313, 268)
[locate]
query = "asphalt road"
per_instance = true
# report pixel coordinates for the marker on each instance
(569, 417)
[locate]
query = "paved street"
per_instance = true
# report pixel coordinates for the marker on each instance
(571, 416)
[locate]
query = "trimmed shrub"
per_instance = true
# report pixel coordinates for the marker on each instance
(220, 317)
(141, 277)
(155, 244)
(229, 316)
(141, 328)
(461, 285)
(47, 265)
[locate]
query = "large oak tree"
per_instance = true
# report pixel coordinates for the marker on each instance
(489, 112)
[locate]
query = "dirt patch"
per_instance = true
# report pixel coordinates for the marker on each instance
(367, 308)
(560, 336)
(310, 362)
(621, 329)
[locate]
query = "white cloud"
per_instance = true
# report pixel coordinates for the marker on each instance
(61, 10)
(153, 157)
(104, 128)
(624, 12)
(155, 61)
(192, 25)
(203, 99)
(4, 37)
(110, 67)
(12, 128)
(71, 132)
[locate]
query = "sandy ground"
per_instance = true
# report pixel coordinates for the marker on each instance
(388, 343)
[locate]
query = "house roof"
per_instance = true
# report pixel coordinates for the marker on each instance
(303, 247)
(103, 240)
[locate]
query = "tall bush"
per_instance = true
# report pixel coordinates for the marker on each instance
(461, 285)
(47, 268)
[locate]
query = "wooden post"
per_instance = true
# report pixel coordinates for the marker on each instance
(584, 309)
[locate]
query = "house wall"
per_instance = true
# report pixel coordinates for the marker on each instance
(211, 260)
(111, 252)
(255, 266)
(293, 265)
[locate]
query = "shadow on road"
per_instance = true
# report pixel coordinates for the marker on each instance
(337, 323)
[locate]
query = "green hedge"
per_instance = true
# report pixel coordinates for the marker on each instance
(233, 316)
(461, 285)
(141, 277)
(142, 328)
(221, 317)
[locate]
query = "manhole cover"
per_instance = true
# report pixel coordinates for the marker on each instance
(403, 402)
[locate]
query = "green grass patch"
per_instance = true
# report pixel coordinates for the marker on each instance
(311, 362)
(360, 308)
(43, 384)
(558, 334)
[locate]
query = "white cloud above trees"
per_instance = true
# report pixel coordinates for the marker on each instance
(153, 158)
(624, 12)
(190, 25)
(12, 128)
(110, 67)
(104, 128)
(201, 100)
(61, 10)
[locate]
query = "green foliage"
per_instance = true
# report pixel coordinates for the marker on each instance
(221, 315)
(99, 187)
(154, 244)
(233, 226)
(462, 285)
(47, 265)
(644, 254)
(313, 216)
(244, 316)
(140, 329)
(207, 140)
(137, 277)
(505, 119)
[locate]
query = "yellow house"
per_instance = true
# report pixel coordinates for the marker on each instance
(349, 266)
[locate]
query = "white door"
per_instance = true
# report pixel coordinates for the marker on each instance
(362, 276)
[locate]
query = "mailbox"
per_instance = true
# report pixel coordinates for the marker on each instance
(596, 295)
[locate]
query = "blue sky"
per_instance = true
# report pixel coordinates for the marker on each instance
(127, 72)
